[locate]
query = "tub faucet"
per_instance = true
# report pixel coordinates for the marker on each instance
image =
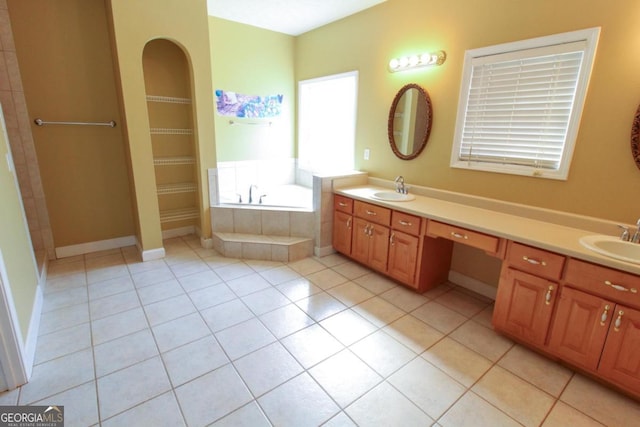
(400, 188)
(251, 187)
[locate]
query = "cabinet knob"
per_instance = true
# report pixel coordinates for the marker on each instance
(618, 322)
(547, 296)
(605, 314)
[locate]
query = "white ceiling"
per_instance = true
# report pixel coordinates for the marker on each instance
(292, 17)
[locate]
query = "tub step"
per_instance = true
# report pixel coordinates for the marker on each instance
(262, 246)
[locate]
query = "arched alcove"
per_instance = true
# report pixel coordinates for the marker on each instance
(168, 90)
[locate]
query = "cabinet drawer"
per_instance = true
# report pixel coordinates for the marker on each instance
(487, 243)
(343, 204)
(537, 261)
(372, 213)
(605, 282)
(410, 224)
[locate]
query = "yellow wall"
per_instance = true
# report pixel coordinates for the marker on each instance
(15, 242)
(603, 181)
(134, 24)
(67, 73)
(253, 61)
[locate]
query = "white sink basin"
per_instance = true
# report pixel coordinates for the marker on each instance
(392, 196)
(612, 247)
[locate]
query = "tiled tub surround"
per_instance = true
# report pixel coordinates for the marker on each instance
(262, 233)
(198, 339)
(250, 228)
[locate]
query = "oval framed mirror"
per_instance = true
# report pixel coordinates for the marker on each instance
(410, 120)
(635, 138)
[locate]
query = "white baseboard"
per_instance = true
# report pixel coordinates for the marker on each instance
(34, 329)
(101, 245)
(152, 254)
(472, 284)
(206, 243)
(323, 251)
(177, 232)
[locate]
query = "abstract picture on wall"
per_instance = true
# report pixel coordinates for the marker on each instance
(247, 106)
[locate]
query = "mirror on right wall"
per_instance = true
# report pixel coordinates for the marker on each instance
(410, 120)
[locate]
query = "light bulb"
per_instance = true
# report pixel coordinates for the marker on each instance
(394, 64)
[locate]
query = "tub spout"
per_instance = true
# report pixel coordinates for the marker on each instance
(260, 201)
(251, 187)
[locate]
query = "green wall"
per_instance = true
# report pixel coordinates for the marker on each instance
(15, 242)
(253, 61)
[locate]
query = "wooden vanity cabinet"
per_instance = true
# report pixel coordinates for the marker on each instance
(404, 246)
(526, 296)
(342, 224)
(370, 241)
(390, 242)
(597, 325)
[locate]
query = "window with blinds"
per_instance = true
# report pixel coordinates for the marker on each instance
(520, 105)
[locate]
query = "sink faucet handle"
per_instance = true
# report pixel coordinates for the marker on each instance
(625, 236)
(636, 236)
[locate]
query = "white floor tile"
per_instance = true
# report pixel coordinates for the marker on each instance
(298, 402)
(160, 291)
(382, 353)
(80, 404)
(212, 295)
(320, 306)
(348, 327)
(169, 309)
(413, 333)
(311, 345)
(159, 411)
(267, 368)
(250, 415)
(118, 325)
(63, 342)
(124, 352)
(244, 338)
(472, 410)
(180, 331)
(386, 406)
(203, 356)
(298, 289)
(264, 301)
(131, 386)
(345, 377)
(212, 396)
(286, 320)
(226, 314)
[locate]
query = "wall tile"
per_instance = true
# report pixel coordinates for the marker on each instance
(13, 71)
(4, 74)
(6, 34)
(275, 223)
(247, 221)
(302, 224)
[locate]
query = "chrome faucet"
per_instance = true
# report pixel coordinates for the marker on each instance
(400, 187)
(251, 187)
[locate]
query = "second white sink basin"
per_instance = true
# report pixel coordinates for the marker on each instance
(613, 247)
(392, 196)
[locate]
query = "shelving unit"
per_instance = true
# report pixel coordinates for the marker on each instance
(168, 91)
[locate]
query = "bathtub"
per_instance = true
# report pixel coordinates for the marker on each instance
(288, 196)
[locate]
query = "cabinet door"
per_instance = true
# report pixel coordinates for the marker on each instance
(620, 360)
(342, 232)
(379, 247)
(524, 305)
(580, 327)
(360, 240)
(403, 256)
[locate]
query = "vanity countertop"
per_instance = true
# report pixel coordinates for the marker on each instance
(545, 235)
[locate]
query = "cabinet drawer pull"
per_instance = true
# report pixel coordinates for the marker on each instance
(342, 204)
(459, 236)
(547, 296)
(605, 314)
(620, 287)
(349, 223)
(618, 322)
(370, 233)
(534, 261)
(366, 229)
(371, 212)
(391, 239)
(405, 223)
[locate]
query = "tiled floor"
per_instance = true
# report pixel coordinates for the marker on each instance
(199, 339)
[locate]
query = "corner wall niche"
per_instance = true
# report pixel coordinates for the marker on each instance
(168, 90)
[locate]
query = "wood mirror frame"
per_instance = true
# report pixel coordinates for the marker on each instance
(635, 138)
(413, 130)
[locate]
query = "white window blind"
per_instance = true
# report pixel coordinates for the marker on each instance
(518, 110)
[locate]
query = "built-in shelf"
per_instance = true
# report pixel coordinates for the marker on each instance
(171, 161)
(178, 214)
(168, 99)
(181, 187)
(171, 131)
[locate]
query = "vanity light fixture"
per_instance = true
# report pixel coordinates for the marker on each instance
(416, 61)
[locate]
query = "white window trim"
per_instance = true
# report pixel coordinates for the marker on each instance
(590, 38)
